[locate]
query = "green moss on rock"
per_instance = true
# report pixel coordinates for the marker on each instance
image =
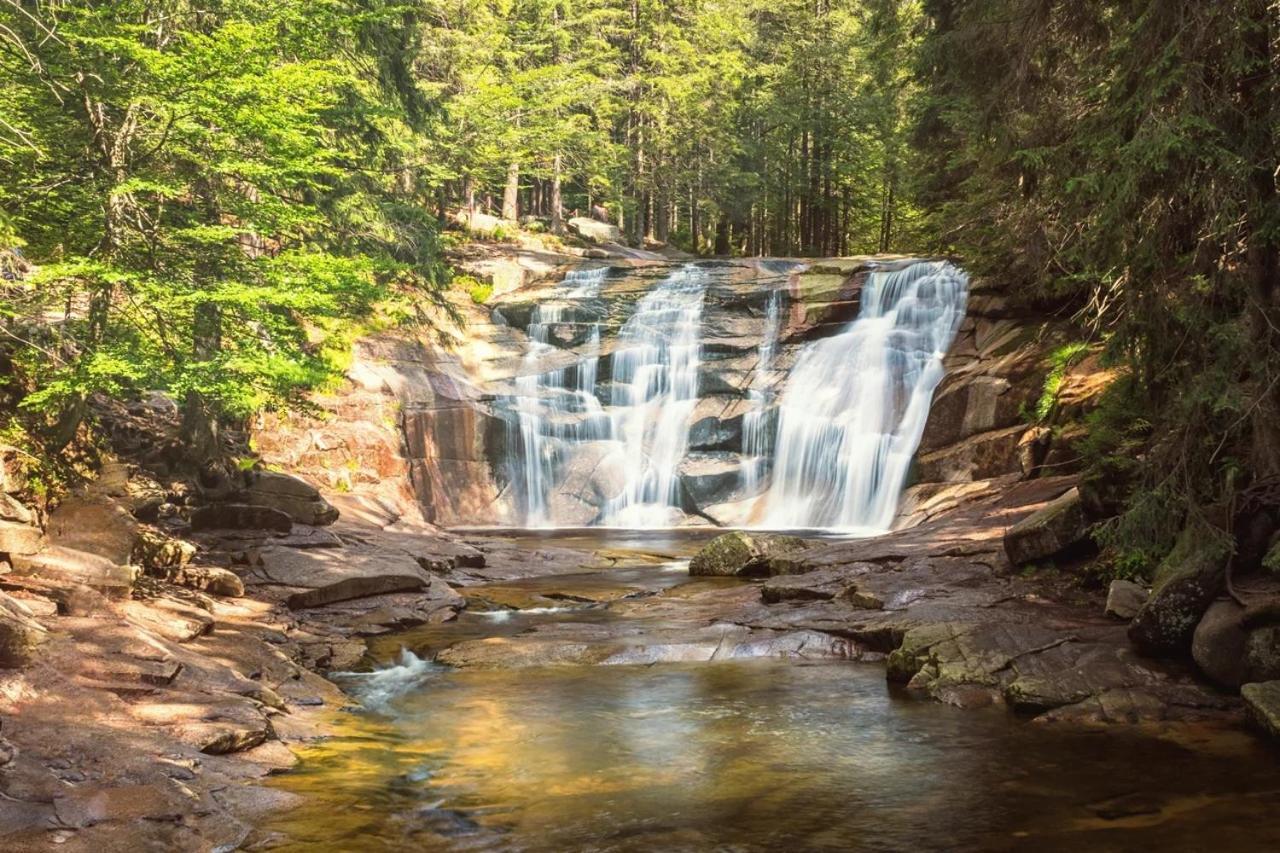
(740, 554)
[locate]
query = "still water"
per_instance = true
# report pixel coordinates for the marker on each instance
(743, 756)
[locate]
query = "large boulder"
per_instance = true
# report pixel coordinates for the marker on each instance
(97, 525)
(300, 500)
(1186, 583)
(1047, 532)
(240, 517)
(744, 554)
(596, 232)
(1218, 645)
(69, 565)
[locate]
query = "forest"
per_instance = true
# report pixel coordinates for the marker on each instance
(220, 196)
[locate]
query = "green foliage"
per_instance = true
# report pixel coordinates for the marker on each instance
(213, 194)
(1060, 361)
(479, 291)
(1118, 159)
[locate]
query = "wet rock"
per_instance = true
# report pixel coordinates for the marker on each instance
(746, 554)
(814, 586)
(96, 525)
(1263, 701)
(1048, 531)
(78, 567)
(240, 517)
(710, 478)
(20, 634)
(1186, 583)
(298, 499)
(1125, 599)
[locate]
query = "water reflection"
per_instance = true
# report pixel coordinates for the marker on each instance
(755, 755)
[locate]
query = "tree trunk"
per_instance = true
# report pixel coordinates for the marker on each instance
(557, 215)
(511, 194)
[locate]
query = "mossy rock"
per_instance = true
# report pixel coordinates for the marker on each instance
(1263, 701)
(1186, 583)
(740, 554)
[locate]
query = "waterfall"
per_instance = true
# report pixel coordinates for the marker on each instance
(854, 407)
(756, 440)
(655, 387)
(548, 410)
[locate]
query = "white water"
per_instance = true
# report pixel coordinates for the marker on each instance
(655, 387)
(831, 449)
(757, 440)
(542, 399)
(855, 405)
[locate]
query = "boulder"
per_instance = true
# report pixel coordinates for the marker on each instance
(1186, 583)
(240, 517)
(1047, 532)
(211, 579)
(97, 525)
(160, 555)
(20, 634)
(596, 232)
(1218, 645)
(1263, 701)
(72, 566)
(1125, 599)
(744, 554)
(18, 538)
(297, 498)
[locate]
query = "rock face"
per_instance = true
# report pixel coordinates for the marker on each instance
(1186, 583)
(741, 554)
(1048, 532)
(297, 498)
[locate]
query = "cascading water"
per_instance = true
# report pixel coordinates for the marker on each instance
(756, 437)
(854, 408)
(655, 387)
(543, 399)
(831, 449)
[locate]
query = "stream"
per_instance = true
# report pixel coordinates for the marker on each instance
(741, 755)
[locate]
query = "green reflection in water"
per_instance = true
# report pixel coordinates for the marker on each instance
(756, 755)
